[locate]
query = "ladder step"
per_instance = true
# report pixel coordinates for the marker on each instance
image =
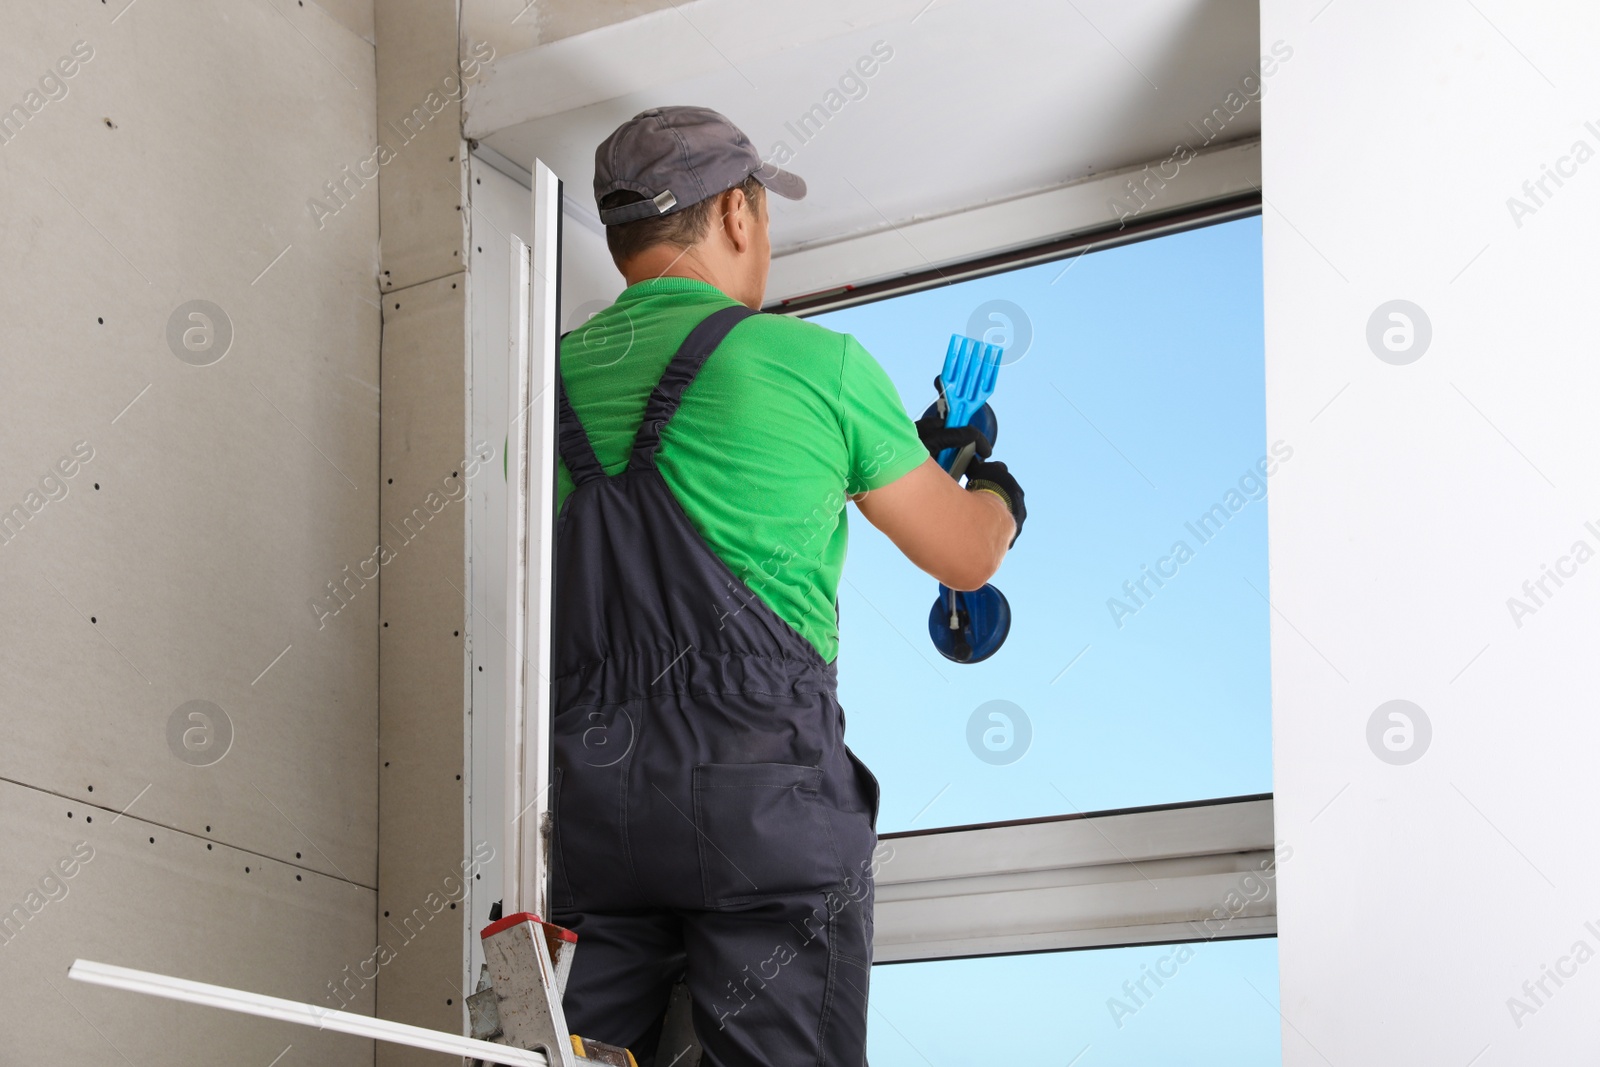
(599, 1052)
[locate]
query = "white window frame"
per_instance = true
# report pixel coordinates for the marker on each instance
(1187, 872)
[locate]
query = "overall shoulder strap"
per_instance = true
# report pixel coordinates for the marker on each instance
(571, 441)
(681, 370)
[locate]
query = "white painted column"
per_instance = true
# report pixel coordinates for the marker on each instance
(1432, 191)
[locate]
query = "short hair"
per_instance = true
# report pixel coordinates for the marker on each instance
(681, 229)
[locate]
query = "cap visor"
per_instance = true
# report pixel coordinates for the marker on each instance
(789, 186)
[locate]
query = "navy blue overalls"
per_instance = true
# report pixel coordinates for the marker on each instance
(709, 821)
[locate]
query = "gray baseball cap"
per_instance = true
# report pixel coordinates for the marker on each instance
(678, 156)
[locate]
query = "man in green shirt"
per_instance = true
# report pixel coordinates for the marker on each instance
(709, 821)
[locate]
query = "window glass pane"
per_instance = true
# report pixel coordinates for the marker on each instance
(1216, 1003)
(1135, 421)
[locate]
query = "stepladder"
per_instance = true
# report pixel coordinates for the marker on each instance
(518, 1003)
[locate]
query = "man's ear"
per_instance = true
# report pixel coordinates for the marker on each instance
(737, 217)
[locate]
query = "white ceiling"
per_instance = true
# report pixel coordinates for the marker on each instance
(513, 25)
(983, 100)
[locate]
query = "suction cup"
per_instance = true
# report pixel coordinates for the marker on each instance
(969, 627)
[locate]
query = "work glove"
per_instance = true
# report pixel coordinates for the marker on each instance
(936, 437)
(992, 476)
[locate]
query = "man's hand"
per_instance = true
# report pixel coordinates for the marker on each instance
(936, 436)
(957, 536)
(993, 477)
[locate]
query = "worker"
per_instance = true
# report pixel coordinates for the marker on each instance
(709, 821)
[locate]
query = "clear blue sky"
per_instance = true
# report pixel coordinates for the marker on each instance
(1050, 1007)
(1137, 406)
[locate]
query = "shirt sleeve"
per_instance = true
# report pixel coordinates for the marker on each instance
(879, 435)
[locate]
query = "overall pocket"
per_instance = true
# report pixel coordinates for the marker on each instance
(763, 831)
(867, 785)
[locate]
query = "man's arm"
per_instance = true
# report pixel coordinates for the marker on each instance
(956, 535)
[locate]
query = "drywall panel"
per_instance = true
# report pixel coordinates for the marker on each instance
(353, 15)
(423, 854)
(514, 25)
(188, 486)
(418, 148)
(1430, 356)
(82, 881)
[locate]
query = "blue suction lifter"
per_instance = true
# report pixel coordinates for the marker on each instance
(968, 627)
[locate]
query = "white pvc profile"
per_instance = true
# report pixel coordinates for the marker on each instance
(1194, 873)
(530, 517)
(518, 400)
(216, 996)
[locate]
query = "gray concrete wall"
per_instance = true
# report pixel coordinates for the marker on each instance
(189, 709)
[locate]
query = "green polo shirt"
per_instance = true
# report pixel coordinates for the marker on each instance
(785, 421)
